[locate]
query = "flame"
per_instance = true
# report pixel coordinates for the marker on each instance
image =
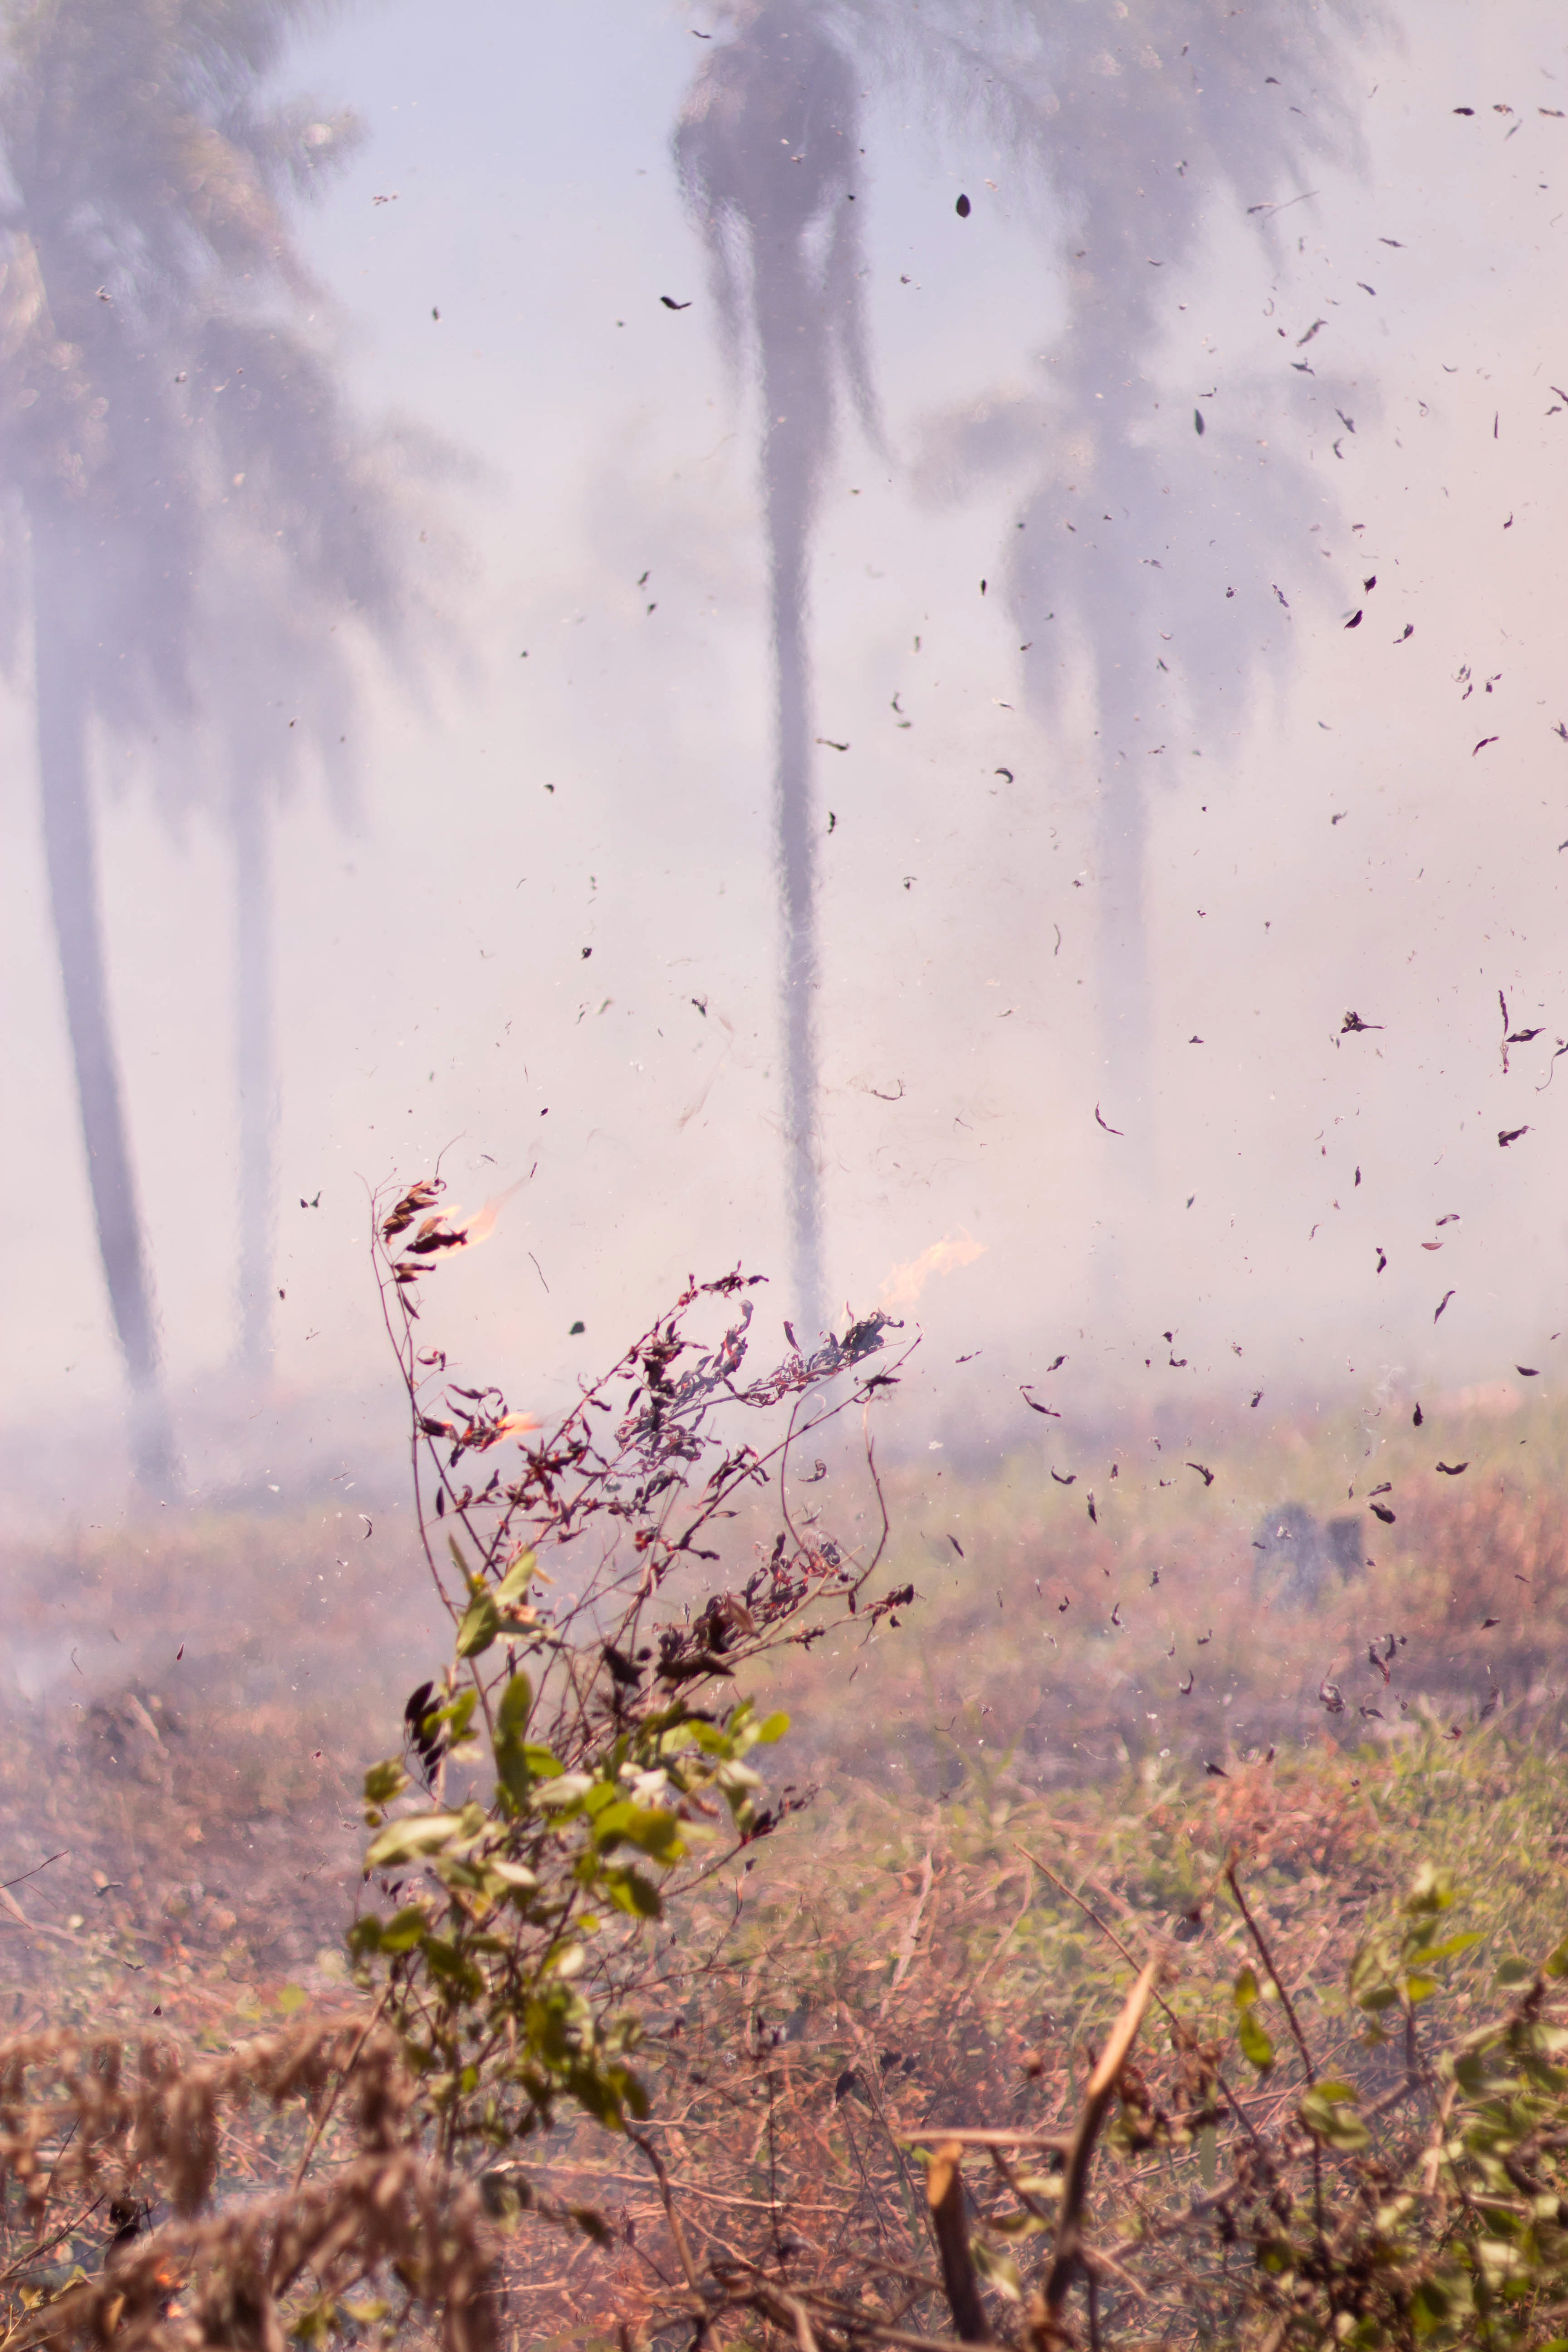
(905, 1283)
(484, 1220)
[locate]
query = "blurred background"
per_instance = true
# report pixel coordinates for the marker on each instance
(920, 648)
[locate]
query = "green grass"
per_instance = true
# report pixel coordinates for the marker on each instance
(989, 1658)
(899, 1956)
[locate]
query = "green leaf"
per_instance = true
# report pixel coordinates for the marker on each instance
(1256, 2046)
(1556, 1963)
(513, 1769)
(1326, 2111)
(402, 1930)
(998, 2269)
(383, 1782)
(452, 1968)
(1369, 1979)
(459, 1562)
(773, 1727)
(1422, 1955)
(562, 1790)
(1512, 1973)
(1428, 2307)
(480, 1624)
(417, 1834)
(1471, 2073)
(459, 1714)
(651, 1829)
(630, 1891)
(1025, 2225)
(1244, 1992)
(1432, 1891)
(516, 1581)
(1346, 2132)
(710, 1737)
(592, 2223)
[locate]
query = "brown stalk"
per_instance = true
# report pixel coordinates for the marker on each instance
(1067, 2260)
(1232, 2102)
(676, 2232)
(944, 2200)
(1267, 1957)
(854, 2321)
(911, 1930)
(324, 2118)
(805, 2340)
(1060, 2141)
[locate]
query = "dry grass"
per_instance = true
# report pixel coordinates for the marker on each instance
(1164, 1584)
(135, 2144)
(892, 1972)
(900, 1959)
(197, 1769)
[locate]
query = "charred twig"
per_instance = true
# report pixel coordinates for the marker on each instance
(944, 2203)
(1067, 2257)
(677, 2233)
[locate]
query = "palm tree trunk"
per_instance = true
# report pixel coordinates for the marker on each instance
(70, 850)
(251, 830)
(1124, 1006)
(1121, 846)
(795, 396)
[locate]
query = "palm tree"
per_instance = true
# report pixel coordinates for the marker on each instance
(768, 149)
(157, 408)
(299, 575)
(1124, 121)
(1134, 125)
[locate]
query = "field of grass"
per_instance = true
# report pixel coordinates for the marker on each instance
(1077, 1647)
(264, 1659)
(1019, 1797)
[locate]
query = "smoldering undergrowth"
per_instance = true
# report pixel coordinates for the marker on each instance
(641, 2050)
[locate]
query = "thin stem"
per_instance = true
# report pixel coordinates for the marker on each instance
(1267, 1957)
(324, 2118)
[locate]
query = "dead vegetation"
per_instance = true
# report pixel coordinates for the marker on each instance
(641, 2052)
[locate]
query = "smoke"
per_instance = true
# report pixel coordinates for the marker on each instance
(210, 531)
(1145, 558)
(1172, 888)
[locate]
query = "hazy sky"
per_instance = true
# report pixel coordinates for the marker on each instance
(1340, 845)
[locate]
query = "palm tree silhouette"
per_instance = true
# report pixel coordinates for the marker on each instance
(1122, 125)
(299, 573)
(768, 150)
(157, 410)
(1143, 123)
